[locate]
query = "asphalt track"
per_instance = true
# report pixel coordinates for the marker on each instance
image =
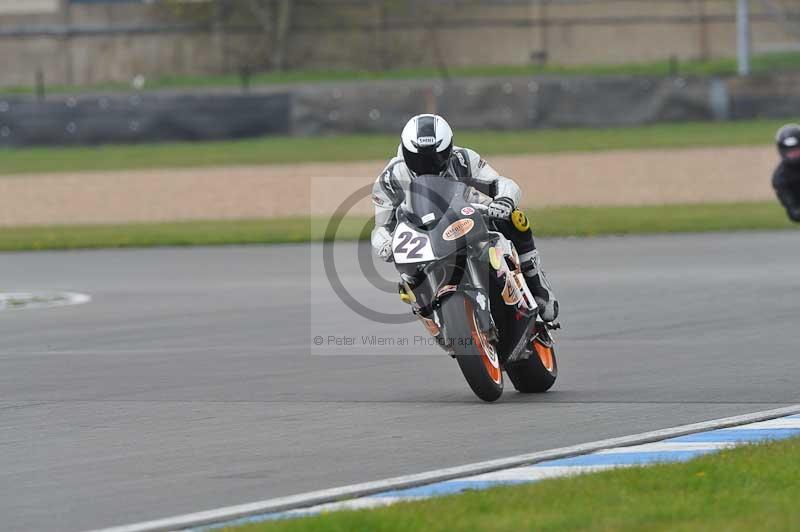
(191, 380)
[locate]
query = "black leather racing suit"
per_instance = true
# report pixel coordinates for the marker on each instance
(786, 182)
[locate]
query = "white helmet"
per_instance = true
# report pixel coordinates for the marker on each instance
(427, 142)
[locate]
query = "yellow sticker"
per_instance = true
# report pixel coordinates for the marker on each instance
(520, 221)
(494, 258)
(407, 294)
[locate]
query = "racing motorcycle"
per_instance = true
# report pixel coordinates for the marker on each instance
(463, 280)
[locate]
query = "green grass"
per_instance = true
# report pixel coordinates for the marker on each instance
(739, 490)
(286, 150)
(595, 221)
(763, 63)
(194, 233)
(551, 221)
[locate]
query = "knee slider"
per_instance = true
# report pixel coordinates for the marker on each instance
(520, 221)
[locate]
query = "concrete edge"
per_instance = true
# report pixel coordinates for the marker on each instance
(353, 491)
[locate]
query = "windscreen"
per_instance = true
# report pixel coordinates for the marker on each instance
(432, 194)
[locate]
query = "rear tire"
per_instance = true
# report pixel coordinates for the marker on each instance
(475, 354)
(536, 374)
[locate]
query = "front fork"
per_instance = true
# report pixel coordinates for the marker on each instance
(541, 332)
(544, 332)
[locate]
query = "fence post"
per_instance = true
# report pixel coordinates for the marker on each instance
(674, 69)
(704, 40)
(743, 36)
(66, 48)
(544, 40)
(40, 94)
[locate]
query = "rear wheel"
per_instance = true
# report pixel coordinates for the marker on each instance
(536, 374)
(476, 355)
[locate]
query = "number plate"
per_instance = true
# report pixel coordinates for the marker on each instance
(410, 246)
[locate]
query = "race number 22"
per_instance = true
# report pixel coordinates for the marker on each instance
(406, 239)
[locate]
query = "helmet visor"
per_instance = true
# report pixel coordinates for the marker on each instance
(792, 154)
(427, 161)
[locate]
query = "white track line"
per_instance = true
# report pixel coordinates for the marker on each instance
(789, 423)
(355, 504)
(14, 301)
(304, 500)
(533, 473)
(664, 447)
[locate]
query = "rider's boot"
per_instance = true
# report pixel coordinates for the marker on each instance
(405, 296)
(539, 286)
(406, 288)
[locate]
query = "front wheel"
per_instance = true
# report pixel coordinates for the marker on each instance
(476, 355)
(537, 373)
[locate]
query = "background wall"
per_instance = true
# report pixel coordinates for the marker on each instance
(88, 43)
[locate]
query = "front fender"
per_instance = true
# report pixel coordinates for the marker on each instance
(480, 303)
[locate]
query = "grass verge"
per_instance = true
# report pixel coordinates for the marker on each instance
(288, 150)
(762, 63)
(551, 221)
(743, 489)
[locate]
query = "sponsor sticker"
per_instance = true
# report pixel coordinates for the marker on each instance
(511, 293)
(458, 229)
(377, 200)
(467, 211)
(426, 141)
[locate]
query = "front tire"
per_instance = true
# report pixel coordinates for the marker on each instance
(537, 373)
(475, 354)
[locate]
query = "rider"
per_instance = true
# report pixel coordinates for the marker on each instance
(427, 149)
(786, 179)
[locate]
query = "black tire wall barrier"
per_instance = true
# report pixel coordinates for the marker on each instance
(383, 106)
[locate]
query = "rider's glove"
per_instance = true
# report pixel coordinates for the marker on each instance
(385, 251)
(382, 243)
(501, 208)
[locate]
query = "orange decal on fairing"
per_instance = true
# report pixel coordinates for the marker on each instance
(458, 229)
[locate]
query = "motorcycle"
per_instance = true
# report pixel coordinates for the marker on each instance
(463, 280)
